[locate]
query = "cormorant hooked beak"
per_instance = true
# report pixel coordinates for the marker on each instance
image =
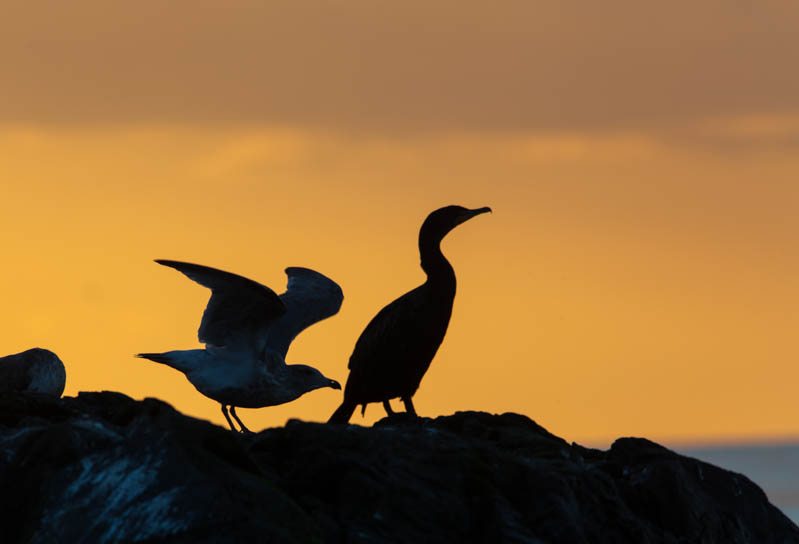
(468, 214)
(334, 384)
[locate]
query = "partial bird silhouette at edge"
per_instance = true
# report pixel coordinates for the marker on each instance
(395, 349)
(247, 329)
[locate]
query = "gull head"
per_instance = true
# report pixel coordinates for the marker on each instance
(304, 378)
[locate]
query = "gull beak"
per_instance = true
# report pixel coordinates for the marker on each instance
(334, 384)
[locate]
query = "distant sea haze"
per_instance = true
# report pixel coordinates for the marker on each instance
(775, 468)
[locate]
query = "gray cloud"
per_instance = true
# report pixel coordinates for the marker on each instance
(360, 64)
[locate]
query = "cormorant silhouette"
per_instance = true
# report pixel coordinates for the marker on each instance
(247, 329)
(396, 347)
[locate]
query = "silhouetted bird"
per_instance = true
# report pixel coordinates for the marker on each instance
(36, 370)
(396, 347)
(247, 330)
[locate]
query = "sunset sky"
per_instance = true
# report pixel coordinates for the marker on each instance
(639, 274)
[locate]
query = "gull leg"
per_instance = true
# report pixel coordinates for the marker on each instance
(243, 428)
(387, 406)
(224, 411)
(409, 406)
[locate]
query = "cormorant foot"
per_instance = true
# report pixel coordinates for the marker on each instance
(409, 409)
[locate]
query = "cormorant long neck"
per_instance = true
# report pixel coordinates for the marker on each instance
(435, 265)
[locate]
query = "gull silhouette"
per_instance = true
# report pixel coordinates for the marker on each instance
(247, 330)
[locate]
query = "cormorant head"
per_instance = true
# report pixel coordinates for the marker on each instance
(306, 378)
(443, 220)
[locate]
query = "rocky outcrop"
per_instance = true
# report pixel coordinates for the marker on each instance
(102, 467)
(35, 370)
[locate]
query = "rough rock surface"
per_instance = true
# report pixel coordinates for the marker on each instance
(102, 467)
(35, 370)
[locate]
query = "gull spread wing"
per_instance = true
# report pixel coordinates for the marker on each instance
(310, 297)
(239, 308)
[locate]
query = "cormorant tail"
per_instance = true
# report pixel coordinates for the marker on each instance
(343, 413)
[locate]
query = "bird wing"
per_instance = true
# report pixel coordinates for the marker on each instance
(310, 297)
(238, 309)
(391, 332)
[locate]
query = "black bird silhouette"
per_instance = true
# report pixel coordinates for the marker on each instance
(395, 349)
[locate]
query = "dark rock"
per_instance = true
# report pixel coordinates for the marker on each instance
(102, 467)
(35, 370)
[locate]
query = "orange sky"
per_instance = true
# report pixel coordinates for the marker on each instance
(638, 275)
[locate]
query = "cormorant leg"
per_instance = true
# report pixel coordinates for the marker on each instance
(409, 406)
(224, 411)
(243, 428)
(387, 406)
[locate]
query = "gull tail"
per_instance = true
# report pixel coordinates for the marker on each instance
(185, 361)
(343, 413)
(157, 357)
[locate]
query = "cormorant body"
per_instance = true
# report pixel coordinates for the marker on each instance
(395, 349)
